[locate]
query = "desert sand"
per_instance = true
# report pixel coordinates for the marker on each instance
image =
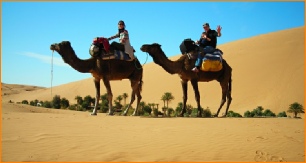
(267, 72)
(35, 134)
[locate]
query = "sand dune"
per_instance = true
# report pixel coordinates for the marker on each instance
(36, 134)
(268, 70)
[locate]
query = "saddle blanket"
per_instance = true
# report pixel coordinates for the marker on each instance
(118, 55)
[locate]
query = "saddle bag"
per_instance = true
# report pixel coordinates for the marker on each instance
(98, 45)
(211, 63)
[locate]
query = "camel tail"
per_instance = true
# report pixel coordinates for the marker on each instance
(140, 85)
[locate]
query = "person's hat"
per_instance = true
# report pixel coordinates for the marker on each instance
(205, 24)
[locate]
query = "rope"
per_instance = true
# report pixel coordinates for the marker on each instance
(142, 64)
(51, 72)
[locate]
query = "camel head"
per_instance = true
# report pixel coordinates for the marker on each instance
(151, 49)
(154, 51)
(61, 47)
(64, 49)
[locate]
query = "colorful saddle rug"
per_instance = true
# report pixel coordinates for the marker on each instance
(118, 55)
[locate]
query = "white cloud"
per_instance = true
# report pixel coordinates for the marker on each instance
(58, 61)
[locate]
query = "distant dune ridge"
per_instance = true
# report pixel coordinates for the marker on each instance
(268, 71)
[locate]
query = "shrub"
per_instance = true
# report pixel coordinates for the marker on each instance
(147, 109)
(233, 114)
(169, 112)
(194, 112)
(282, 114)
(268, 113)
(206, 112)
(258, 111)
(64, 103)
(85, 104)
(104, 106)
(155, 112)
(47, 104)
(32, 103)
(25, 102)
(56, 102)
(73, 107)
(248, 114)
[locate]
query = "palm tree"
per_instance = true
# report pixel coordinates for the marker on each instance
(124, 96)
(79, 99)
(296, 108)
(167, 97)
(164, 100)
(119, 98)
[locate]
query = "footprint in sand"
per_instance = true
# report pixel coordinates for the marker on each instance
(292, 138)
(266, 157)
(257, 138)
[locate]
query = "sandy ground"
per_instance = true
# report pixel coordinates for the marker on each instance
(39, 134)
(267, 72)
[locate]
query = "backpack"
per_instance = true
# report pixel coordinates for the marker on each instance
(187, 46)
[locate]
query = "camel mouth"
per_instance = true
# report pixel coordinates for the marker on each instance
(54, 47)
(144, 48)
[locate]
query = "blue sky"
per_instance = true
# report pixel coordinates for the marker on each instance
(29, 28)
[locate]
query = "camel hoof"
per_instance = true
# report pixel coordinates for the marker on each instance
(223, 116)
(215, 116)
(110, 114)
(93, 114)
(181, 115)
(199, 115)
(124, 114)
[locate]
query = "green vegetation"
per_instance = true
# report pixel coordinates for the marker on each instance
(233, 114)
(151, 109)
(167, 97)
(295, 108)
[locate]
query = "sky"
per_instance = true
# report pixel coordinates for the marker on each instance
(29, 28)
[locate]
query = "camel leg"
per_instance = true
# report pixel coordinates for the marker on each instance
(194, 84)
(139, 97)
(229, 96)
(184, 87)
(134, 86)
(130, 104)
(110, 96)
(224, 87)
(97, 85)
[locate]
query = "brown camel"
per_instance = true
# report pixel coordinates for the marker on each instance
(178, 67)
(106, 70)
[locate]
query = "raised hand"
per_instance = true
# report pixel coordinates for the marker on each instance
(219, 29)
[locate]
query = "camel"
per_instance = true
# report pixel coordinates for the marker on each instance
(179, 67)
(105, 70)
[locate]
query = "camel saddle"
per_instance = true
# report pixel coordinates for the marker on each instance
(101, 47)
(211, 61)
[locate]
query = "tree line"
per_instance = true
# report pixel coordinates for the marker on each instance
(152, 109)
